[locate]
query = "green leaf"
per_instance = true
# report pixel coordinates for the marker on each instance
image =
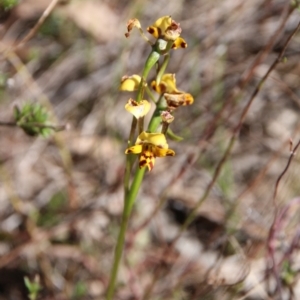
(173, 136)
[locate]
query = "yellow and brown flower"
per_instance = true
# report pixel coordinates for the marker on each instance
(173, 96)
(138, 109)
(130, 83)
(150, 146)
(169, 30)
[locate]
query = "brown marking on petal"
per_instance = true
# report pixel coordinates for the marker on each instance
(188, 102)
(173, 104)
(150, 166)
(170, 154)
(153, 85)
(183, 45)
(125, 76)
(142, 163)
(132, 102)
(154, 31)
(173, 31)
(176, 100)
(147, 158)
(128, 151)
(151, 30)
(171, 107)
(163, 87)
(188, 99)
(131, 24)
(175, 26)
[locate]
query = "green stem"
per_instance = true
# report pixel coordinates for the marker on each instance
(165, 127)
(130, 196)
(150, 62)
(118, 255)
(162, 69)
(129, 202)
(141, 124)
(150, 94)
(156, 118)
(130, 193)
(129, 158)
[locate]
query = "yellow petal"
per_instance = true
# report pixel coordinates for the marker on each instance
(179, 43)
(134, 149)
(130, 83)
(156, 139)
(159, 27)
(167, 84)
(138, 109)
(159, 152)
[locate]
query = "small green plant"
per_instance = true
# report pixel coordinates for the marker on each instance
(33, 119)
(33, 287)
(288, 274)
(8, 4)
(80, 290)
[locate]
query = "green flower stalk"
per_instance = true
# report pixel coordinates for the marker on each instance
(151, 143)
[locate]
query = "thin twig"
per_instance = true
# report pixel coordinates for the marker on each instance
(278, 223)
(238, 127)
(292, 155)
(34, 124)
(39, 23)
(236, 92)
(10, 124)
(274, 227)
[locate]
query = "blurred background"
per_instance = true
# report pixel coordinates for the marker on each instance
(61, 197)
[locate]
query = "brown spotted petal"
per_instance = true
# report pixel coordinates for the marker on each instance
(173, 31)
(179, 43)
(178, 99)
(131, 24)
(147, 157)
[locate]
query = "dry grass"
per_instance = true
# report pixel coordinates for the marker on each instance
(61, 198)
